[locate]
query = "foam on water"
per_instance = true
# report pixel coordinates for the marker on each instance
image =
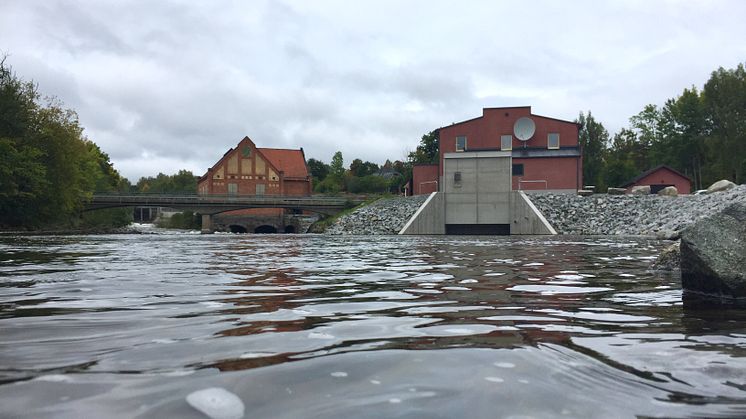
(217, 403)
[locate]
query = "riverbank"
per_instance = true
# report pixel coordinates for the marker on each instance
(653, 215)
(384, 216)
(599, 214)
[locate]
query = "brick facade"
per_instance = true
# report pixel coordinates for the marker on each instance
(536, 164)
(250, 170)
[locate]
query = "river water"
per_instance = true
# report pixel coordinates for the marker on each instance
(306, 326)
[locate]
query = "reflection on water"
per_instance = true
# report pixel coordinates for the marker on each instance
(314, 326)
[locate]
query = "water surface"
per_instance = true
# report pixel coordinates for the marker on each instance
(316, 326)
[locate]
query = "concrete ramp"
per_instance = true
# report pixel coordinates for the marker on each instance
(429, 218)
(525, 218)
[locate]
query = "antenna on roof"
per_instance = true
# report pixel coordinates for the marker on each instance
(524, 128)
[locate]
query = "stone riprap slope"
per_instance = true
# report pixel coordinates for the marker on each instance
(661, 216)
(385, 216)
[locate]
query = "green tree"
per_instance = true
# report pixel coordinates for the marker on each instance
(428, 149)
(359, 168)
(319, 170)
(334, 181)
(725, 102)
(183, 182)
(686, 127)
(337, 167)
(47, 166)
(620, 159)
(593, 138)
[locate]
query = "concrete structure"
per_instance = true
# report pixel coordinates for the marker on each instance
(429, 218)
(476, 198)
(525, 218)
(550, 160)
(477, 192)
(659, 178)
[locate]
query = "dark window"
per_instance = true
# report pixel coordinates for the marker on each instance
(457, 177)
(518, 169)
(460, 143)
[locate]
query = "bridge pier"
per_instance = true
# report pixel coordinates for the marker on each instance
(207, 224)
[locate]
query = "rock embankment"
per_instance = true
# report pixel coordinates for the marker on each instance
(662, 216)
(385, 216)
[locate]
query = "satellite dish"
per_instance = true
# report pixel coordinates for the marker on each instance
(524, 128)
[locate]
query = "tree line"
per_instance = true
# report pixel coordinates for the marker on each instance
(47, 165)
(701, 133)
(360, 177)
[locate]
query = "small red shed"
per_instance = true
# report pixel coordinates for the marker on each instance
(659, 177)
(424, 178)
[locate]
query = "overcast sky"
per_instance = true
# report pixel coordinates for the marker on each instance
(163, 86)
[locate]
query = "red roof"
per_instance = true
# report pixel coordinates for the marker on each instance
(292, 162)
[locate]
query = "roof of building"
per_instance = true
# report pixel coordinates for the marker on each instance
(291, 162)
(655, 169)
(509, 107)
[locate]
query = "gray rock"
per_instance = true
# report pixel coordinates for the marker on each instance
(640, 190)
(669, 259)
(720, 186)
(385, 216)
(585, 192)
(669, 191)
(616, 191)
(713, 257)
(651, 215)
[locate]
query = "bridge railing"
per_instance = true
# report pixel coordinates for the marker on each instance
(152, 198)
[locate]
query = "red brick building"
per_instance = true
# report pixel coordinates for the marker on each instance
(549, 159)
(659, 177)
(250, 170)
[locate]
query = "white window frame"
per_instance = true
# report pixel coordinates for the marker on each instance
(549, 141)
(457, 141)
(506, 139)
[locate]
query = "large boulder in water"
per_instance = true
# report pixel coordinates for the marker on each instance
(713, 257)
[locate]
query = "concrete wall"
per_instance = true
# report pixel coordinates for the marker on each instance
(526, 218)
(482, 195)
(429, 218)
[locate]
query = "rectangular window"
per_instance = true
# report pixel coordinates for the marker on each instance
(518, 169)
(260, 188)
(460, 143)
(506, 142)
(232, 189)
(553, 141)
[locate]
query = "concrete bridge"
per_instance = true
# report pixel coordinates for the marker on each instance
(209, 205)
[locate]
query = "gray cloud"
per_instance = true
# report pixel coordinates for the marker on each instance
(162, 86)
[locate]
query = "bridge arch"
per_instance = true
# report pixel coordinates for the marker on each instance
(235, 228)
(290, 229)
(265, 229)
